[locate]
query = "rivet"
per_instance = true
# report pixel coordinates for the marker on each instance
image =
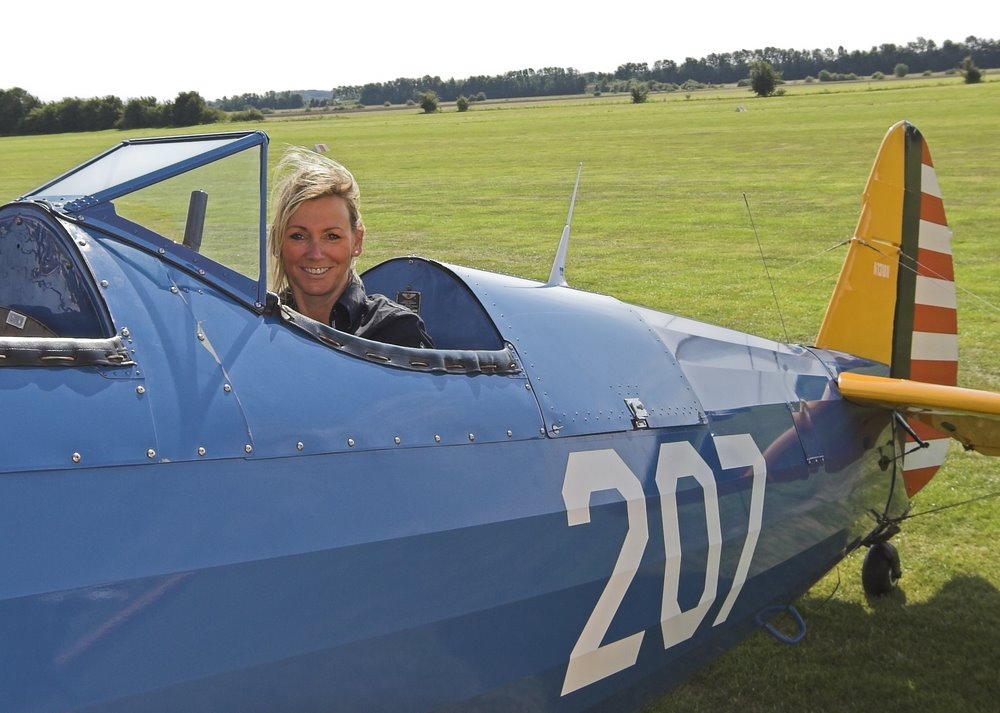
(299, 446)
(173, 288)
(140, 389)
(77, 457)
(510, 433)
(528, 387)
(201, 450)
(350, 442)
(104, 283)
(541, 430)
(472, 436)
(201, 272)
(201, 336)
(150, 453)
(125, 332)
(82, 243)
(437, 439)
(227, 388)
(397, 440)
(162, 251)
(248, 448)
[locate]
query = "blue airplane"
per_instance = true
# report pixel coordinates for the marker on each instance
(209, 502)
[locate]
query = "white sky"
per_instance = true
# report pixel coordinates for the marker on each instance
(128, 49)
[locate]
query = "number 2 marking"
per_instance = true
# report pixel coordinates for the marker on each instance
(589, 472)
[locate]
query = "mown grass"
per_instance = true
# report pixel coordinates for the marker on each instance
(662, 220)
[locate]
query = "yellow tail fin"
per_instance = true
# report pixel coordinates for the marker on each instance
(895, 300)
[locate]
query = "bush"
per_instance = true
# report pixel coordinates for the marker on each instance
(878, 76)
(428, 101)
(251, 113)
(462, 103)
(640, 92)
(971, 72)
(901, 70)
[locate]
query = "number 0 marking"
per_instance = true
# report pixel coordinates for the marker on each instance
(589, 472)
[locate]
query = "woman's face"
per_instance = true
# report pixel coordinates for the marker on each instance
(318, 247)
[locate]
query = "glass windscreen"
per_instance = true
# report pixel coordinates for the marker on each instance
(226, 192)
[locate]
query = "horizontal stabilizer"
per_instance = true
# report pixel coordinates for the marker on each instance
(970, 416)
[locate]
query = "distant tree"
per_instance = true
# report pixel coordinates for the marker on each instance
(428, 101)
(141, 113)
(639, 91)
(462, 103)
(901, 70)
(763, 78)
(481, 97)
(189, 109)
(971, 72)
(15, 105)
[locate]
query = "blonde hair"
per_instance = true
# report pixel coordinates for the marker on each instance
(302, 175)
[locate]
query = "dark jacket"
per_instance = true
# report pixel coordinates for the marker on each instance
(374, 317)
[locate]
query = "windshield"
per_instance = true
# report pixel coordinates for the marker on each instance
(196, 200)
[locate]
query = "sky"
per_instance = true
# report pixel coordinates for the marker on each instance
(156, 48)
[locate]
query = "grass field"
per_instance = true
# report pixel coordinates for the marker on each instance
(662, 220)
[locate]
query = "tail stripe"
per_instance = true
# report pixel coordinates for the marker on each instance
(936, 237)
(934, 345)
(936, 293)
(935, 264)
(940, 320)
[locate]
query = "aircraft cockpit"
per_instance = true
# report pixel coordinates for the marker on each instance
(198, 203)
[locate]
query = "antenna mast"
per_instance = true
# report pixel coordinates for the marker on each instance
(557, 276)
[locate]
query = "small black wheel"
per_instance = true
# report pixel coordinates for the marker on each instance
(881, 571)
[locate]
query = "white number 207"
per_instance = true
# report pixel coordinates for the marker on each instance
(588, 472)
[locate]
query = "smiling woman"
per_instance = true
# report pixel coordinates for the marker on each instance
(315, 241)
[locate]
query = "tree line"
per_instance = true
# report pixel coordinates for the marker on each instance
(23, 113)
(920, 56)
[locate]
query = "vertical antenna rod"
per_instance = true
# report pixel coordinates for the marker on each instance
(557, 276)
(766, 271)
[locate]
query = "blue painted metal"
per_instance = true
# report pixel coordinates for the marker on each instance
(245, 518)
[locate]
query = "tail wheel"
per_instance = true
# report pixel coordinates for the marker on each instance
(881, 571)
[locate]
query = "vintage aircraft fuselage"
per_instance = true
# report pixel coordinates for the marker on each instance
(211, 503)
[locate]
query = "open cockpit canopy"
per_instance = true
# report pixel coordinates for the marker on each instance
(197, 201)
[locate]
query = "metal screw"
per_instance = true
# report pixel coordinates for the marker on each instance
(173, 288)
(104, 283)
(77, 457)
(300, 445)
(201, 336)
(248, 448)
(140, 389)
(201, 450)
(437, 439)
(472, 437)
(510, 433)
(150, 453)
(227, 388)
(125, 332)
(350, 442)
(397, 440)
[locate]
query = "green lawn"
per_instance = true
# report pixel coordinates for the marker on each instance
(662, 220)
